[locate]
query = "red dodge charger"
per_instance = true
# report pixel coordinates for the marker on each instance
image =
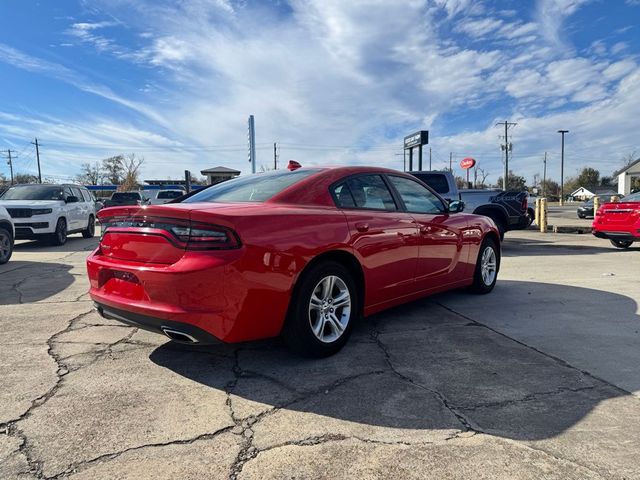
(299, 253)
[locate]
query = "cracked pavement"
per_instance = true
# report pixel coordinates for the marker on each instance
(540, 379)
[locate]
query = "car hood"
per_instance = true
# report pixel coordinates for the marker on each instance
(30, 203)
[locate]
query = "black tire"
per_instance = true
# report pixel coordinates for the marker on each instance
(582, 216)
(6, 245)
(621, 243)
(501, 225)
(484, 283)
(59, 237)
(298, 332)
(531, 216)
(90, 231)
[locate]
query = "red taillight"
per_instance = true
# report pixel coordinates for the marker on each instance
(525, 203)
(182, 233)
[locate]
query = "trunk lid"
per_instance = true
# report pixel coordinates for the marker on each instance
(619, 213)
(162, 234)
(139, 234)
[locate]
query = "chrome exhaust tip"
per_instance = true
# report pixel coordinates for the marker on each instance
(178, 336)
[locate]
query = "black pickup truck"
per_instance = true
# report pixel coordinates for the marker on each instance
(508, 210)
(120, 199)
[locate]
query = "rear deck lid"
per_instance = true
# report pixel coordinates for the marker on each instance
(619, 213)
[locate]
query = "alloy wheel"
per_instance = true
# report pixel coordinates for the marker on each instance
(329, 309)
(488, 265)
(5, 246)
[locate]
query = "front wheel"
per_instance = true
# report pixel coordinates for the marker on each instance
(487, 266)
(621, 243)
(6, 245)
(59, 237)
(90, 231)
(323, 311)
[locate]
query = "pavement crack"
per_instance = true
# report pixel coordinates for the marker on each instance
(466, 424)
(548, 355)
(110, 456)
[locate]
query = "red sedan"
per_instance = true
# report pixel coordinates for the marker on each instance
(299, 253)
(619, 221)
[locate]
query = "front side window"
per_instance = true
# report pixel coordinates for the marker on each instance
(416, 197)
(364, 191)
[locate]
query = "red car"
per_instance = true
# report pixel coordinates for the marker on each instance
(619, 221)
(297, 253)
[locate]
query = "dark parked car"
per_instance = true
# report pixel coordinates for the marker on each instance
(586, 209)
(121, 199)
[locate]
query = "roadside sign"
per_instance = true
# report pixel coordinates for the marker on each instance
(467, 163)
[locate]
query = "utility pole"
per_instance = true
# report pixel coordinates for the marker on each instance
(38, 158)
(451, 162)
(10, 163)
(429, 158)
(562, 132)
(275, 156)
(506, 147)
(544, 174)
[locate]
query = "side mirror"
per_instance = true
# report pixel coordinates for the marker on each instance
(456, 206)
(72, 199)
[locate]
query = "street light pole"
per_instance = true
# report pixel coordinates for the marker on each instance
(562, 132)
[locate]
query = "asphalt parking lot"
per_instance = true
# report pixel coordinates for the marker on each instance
(539, 379)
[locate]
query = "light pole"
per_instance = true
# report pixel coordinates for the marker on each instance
(562, 132)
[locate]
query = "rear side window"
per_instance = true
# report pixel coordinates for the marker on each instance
(364, 191)
(437, 181)
(252, 188)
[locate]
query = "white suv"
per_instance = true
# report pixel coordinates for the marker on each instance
(44, 211)
(6, 236)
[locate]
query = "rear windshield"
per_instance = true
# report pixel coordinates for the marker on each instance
(436, 181)
(170, 194)
(634, 197)
(125, 196)
(34, 192)
(252, 188)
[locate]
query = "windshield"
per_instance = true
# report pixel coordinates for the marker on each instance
(126, 196)
(34, 192)
(252, 188)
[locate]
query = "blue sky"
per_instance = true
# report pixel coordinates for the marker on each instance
(333, 82)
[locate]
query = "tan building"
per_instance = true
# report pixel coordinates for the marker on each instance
(219, 174)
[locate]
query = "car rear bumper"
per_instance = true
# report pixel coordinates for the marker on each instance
(178, 331)
(617, 235)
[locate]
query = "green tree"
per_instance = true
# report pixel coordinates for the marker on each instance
(588, 178)
(113, 168)
(514, 182)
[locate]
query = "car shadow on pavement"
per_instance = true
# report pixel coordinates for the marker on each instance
(516, 247)
(27, 282)
(423, 368)
(75, 243)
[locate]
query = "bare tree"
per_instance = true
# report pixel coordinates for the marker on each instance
(131, 167)
(90, 174)
(482, 174)
(629, 158)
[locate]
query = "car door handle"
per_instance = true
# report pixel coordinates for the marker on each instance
(362, 227)
(425, 229)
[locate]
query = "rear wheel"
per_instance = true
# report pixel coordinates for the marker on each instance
(90, 231)
(621, 243)
(6, 245)
(501, 225)
(59, 237)
(487, 266)
(323, 311)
